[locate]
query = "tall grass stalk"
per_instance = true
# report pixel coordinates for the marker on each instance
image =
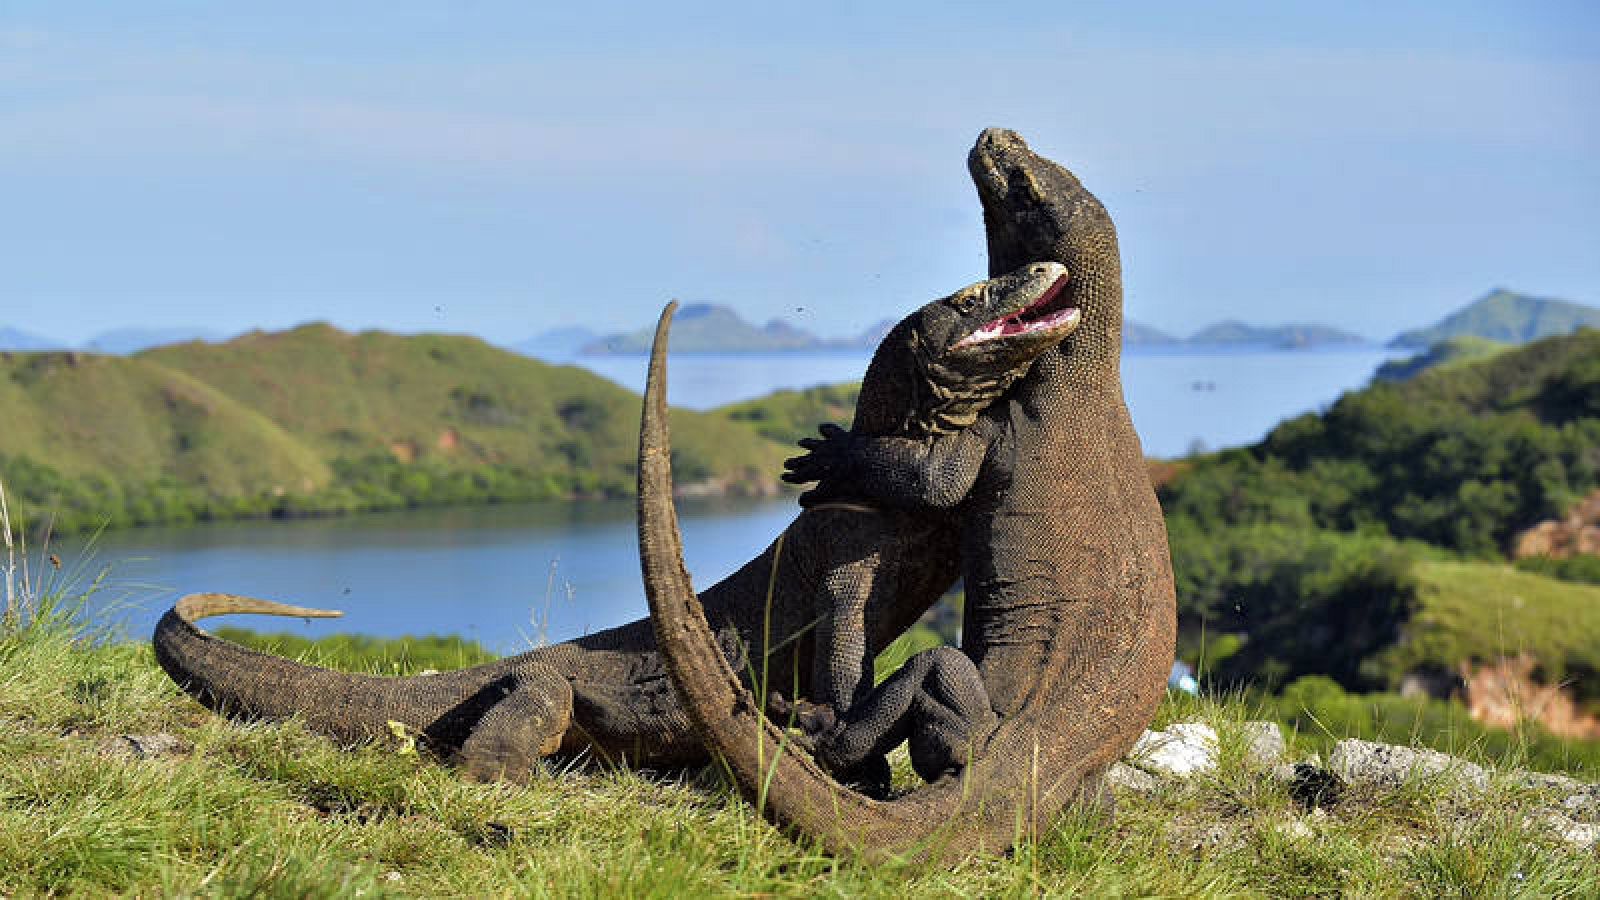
(11, 560)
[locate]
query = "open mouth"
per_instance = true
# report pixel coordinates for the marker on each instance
(1047, 314)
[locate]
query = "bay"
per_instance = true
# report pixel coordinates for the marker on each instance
(513, 576)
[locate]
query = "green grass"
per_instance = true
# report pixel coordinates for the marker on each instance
(1484, 611)
(271, 810)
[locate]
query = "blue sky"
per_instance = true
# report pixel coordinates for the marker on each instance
(498, 169)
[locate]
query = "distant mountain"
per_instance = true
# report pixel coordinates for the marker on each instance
(17, 339)
(1233, 333)
(557, 343)
(1137, 334)
(126, 341)
(708, 328)
(1505, 316)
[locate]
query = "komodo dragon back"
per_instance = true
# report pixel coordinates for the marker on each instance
(1082, 632)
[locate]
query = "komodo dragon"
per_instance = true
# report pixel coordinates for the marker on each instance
(1070, 613)
(841, 583)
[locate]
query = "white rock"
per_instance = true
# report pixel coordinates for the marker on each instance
(1264, 746)
(1386, 765)
(1578, 834)
(1124, 777)
(1178, 751)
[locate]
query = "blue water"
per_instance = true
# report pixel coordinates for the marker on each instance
(511, 576)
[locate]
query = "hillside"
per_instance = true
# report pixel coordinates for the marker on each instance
(1448, 352)
(1311, 552)
(1504, 316)
(315, 420)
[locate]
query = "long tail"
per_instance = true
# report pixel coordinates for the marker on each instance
(195, 607)
(243, 683)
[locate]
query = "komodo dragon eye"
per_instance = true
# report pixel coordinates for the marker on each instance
(965, 302)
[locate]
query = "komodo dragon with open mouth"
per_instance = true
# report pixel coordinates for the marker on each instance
(822, 601)
(1070, 613)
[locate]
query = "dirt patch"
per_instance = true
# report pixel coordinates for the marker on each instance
(1505, 693)
(1577, 533)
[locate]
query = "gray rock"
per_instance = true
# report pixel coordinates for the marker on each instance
(1389, 766)
(1582, 835)
(1123, 777)
(1264, 746)
(1179, 751)
(1583, 804)
(141, 746)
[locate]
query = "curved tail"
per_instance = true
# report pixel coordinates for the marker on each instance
(195, 607)
(243, 683)
(1018, 779)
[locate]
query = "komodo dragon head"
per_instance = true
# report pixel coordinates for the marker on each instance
(1085, 455)
(944, 363)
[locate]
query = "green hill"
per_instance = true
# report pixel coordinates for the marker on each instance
(1448, 352)
(1308, 552)
(1505, 316)
(315, 420)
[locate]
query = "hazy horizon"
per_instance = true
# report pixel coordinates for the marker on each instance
(502, 171)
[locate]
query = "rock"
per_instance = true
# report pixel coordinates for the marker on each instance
(1178, 751)
(1124, 777)
(1264, 745)
(1578, 834)
(1389, 766)
(1584, 804)
(141, 746)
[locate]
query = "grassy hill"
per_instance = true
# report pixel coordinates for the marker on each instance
(1327, 548)
(1505, 316)
(316, 420)
(1445, 354)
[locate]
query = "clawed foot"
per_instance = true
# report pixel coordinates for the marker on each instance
(827, 460)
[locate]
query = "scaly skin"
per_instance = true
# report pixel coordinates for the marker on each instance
(841, 583)
(1070, 614)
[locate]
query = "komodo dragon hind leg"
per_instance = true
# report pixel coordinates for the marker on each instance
(529, 712)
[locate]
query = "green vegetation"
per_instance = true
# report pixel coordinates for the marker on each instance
(1505, 316)
(1367, 542)
(315, 421)
(1582, 568)
(273, 811)
(1323, 713)
(1449, 352)
(788, 416)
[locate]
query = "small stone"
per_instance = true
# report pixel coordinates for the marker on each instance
(1124, 777)
(1181, 750)
(1584, 804)
(141, 746)
(1578, 834)
(1387, 765)
(1264, 746)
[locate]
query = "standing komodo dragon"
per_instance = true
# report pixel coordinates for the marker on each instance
(1070, 613)
(841, 583)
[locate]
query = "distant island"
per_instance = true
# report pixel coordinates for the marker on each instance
(711, 328)
(1507, 317)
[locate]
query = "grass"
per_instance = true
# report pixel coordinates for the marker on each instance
(1483, 611)
(271, 810)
